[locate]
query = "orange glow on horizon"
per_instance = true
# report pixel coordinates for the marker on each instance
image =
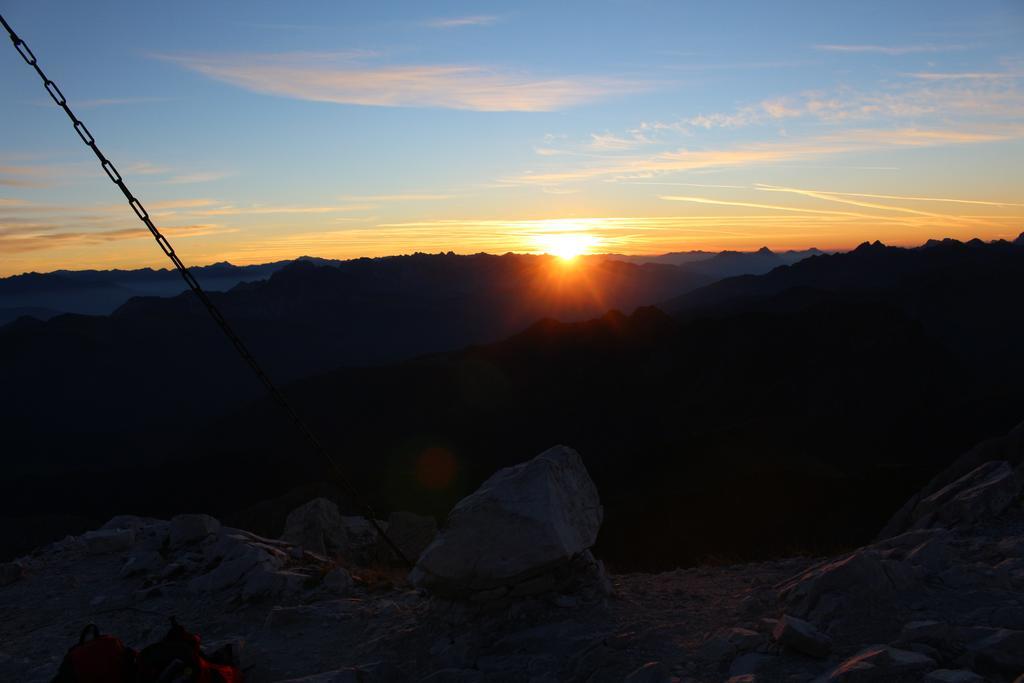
(566, 245)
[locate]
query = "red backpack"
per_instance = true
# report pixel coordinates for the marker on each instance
(178, 657)
(100, 659)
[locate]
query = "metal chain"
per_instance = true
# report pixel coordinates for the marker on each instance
(193, 284)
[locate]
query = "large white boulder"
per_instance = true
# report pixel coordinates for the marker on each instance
(521, 522)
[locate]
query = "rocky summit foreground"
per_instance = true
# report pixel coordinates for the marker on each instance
(942, 601)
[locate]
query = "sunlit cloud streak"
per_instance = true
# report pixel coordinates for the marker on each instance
(775, 207)
(459, 22)
(327, 78)
(42, 236)
(769, 152)
(400, 197)
(892, 196)
(892, 50)
(828, 197)
(967, 75)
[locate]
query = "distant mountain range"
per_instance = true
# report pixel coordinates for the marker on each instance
(101, 292)
(752, 416)
(726, 263)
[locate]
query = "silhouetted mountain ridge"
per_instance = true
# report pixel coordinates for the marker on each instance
(793, 410)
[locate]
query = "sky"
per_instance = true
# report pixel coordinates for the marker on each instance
(260, 131)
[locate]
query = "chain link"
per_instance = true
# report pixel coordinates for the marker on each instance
(193, 284)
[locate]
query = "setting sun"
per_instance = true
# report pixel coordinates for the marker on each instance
(566, 246)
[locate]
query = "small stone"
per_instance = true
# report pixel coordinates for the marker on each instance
(454, 676)
(620, 641)
(802, 636)
(952, 676)
(749, 663)
(882, 662)
(565, 601)
(925, 631)
(651, 672)
(145, 562)
(338, 580)
(744, 640)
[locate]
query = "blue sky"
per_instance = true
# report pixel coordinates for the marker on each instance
(256, 131)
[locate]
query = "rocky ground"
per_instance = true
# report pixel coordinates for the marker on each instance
(941, 601)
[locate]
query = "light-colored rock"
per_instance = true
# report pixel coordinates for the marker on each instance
(191, 528)
(983, 492)
(802, 636)
(412, 534)
(881, 663)
(952, 676)
(10, 572)
(103, 541)
(262, 582)
(651, 672)
(361, 537)
(130, 522)
(145, 562)
(316, 526)
(521, 522)
(378, 672)
(870, 575)
(237, 563)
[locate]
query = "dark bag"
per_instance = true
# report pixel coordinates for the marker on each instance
(178, 658)
(99, 659)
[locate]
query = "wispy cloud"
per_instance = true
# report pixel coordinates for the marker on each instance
(323, 77)
(612, 142)
(893, 50)
(407, 197)
(196, 177)
(966, 75)
(263, 210)
(912, 198)
(854, 140)
(39, 236)
(459, 22)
